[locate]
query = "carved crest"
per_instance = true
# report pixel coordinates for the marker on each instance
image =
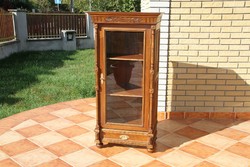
(123, 19)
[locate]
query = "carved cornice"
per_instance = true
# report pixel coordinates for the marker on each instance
(125, 17)
(114, 19)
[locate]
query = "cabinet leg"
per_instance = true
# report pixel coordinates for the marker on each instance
(151, 144)
(99, 145)
(151, 147)
(150, 150)
(98, 139)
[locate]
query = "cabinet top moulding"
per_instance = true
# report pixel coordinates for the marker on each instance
(125, 17)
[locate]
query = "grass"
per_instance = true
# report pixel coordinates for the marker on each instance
(32, 79)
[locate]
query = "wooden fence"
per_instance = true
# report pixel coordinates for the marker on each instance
(50, 25)
(7, 31)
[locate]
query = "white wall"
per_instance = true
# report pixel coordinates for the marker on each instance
(163, 7)
(7, 48)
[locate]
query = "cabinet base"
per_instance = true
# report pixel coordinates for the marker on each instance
(131, 138)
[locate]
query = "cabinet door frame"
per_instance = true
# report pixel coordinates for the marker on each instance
(145, 109)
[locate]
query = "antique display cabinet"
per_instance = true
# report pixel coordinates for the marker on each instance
(127, 56)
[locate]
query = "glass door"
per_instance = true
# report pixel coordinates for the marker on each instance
(124, 77)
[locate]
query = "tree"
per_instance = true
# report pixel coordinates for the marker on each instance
(15, 4)
(43, 5)
(105, 5)
(116, 5)
(79, 5)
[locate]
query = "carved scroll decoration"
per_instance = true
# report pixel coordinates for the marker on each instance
(123, 19)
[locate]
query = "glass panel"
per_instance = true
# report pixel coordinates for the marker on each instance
(126, 110)
(124, 43)
(124, 73)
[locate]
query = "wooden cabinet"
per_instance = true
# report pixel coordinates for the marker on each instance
(127, 58)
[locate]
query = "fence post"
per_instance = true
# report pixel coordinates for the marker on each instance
(89, 32)
(69, 40)
(20, 27)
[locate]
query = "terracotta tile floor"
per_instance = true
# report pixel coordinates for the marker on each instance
(62, 135)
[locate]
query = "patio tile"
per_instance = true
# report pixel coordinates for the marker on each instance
(155, 163)
(216, 141)
(188, 142)
(3, 155)
(54, 163)
(91, 113)
(8, 163)
(207, 126)
(205, 164)
(67, 112)
(44, 118)
(18, 147)
(131, 157)
(25, 124)
(3, 130)
(57, 124)
(9, 137)
(188, 121)
(8, 123)
(82, 158)
(225, 158)
(191, 133)
(48, 138)
(199, 150)
(173, 140)
(84, 108)
(240, 149)
(180, 159)
(160, 149)
(243, 115)
(170, 125)
(76, 102)
(64, 147)
(243, 126)
(92, 104)
(90, 125)
(161, 133)
(90, 100)
(222, 115)
(174, 115)
(197, 115)
(38, 111)
(79, 118)
(246, 140)
(34, 157)
(226, 122)
(32, 130)
(233, 133)
(105, 163)
(72, 131)
(86, 140)
(109, 150)
(58, 106)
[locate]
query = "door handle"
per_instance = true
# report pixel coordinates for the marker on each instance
(102, 79)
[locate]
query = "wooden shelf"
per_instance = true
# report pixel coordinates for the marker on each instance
(128, 93)
(137, 57)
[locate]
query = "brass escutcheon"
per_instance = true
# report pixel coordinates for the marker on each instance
(124, 137)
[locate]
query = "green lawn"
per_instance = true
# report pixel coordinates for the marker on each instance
(32, 79)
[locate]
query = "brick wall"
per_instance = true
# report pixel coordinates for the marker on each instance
(209, 50)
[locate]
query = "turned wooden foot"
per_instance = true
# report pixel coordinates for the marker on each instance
(99, 145)
(150, 150)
